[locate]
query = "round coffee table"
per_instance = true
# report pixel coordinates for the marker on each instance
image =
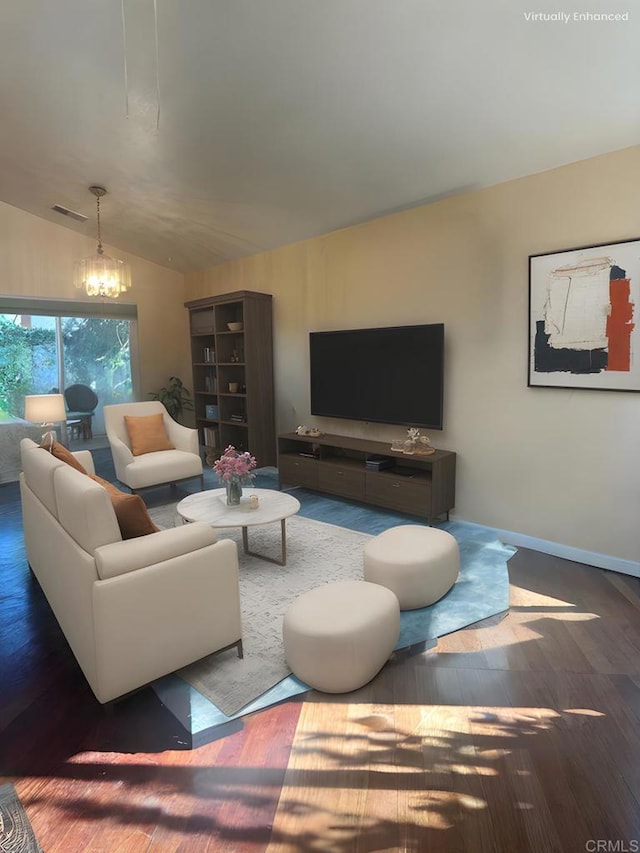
(211, 507)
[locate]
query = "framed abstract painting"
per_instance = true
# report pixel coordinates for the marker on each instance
(583, 323)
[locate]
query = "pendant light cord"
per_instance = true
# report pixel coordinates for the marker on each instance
(155, 22)
(124, 59)
(100, 249)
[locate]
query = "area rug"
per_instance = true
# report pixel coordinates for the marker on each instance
(16, 832)
(319, 553)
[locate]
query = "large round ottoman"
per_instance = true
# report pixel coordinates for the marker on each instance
(419, 564)
(338, 636)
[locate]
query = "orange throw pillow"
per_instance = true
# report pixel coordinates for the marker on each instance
(147, 434)
(60, 452)
(131, 511)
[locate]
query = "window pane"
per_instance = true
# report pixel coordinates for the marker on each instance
(28, 361)
(97, 354)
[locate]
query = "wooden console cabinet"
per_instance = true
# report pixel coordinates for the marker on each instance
(418, 485)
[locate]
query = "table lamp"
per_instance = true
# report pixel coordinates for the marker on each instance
(45, 409)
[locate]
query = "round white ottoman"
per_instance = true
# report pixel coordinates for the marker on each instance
(338, 636)
(419, 564)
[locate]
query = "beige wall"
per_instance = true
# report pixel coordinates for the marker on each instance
(558, 465)
(37, 258)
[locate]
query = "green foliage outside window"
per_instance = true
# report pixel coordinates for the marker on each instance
(96, 353)
(22, 352)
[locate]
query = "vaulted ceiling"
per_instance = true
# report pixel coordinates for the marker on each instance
(225, 127)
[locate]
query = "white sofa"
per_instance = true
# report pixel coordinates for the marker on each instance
(132, 610)
(152, 469)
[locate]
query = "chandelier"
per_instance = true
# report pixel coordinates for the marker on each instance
(99, 274)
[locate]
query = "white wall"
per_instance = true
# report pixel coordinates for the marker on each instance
(556, 465)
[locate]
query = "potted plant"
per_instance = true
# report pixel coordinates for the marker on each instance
(175, 398)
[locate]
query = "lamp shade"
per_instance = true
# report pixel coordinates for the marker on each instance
(44, 408)
(99, 274)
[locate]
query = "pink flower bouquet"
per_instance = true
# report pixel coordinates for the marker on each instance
(233, 465)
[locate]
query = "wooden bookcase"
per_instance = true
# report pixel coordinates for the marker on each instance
(418, 485)
(233, 373)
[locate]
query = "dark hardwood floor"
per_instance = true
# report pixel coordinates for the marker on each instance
(518, 734)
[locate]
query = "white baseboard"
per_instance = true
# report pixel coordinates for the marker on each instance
(567, 552)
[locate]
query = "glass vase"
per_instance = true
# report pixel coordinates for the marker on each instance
(234, 492)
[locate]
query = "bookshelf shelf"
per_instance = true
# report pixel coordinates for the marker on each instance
(242, 359)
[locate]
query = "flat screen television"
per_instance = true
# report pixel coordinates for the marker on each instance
(392, 375)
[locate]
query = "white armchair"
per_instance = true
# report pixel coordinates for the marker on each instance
(152, 469)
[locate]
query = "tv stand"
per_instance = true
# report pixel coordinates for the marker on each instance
(336, 465)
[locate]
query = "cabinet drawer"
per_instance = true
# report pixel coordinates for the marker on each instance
(400, 493)
(298, 471)
(344, 481)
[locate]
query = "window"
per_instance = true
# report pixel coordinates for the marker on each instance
(46, 347)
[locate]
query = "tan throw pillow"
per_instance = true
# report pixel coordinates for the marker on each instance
(131, 511)
(61, 452)
(147, 434)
